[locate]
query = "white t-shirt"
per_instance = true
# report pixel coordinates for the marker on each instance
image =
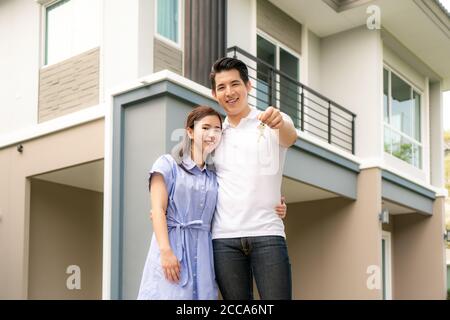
(249, 170)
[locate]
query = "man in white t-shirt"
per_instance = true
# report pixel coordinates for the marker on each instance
(248, 235)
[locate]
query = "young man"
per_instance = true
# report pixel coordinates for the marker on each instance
(248, 236)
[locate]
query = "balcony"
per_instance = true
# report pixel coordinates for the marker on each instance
(311, 112)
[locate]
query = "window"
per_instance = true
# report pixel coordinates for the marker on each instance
(168, 22)
(402, 120)
(72, 27)
(273, 87)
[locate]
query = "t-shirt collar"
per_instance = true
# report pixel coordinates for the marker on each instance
(253, 114)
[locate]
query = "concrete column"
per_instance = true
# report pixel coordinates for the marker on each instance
(333, 242)
(436, 135)
(419, 270)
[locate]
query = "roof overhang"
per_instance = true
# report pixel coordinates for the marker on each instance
(421, 26)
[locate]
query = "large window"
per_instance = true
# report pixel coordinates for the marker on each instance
(402, 121)
(72, 27)
(282, 91)
(168, 20)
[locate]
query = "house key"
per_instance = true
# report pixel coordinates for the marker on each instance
(261, 128)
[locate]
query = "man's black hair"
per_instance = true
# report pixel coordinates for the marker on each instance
(225, 64)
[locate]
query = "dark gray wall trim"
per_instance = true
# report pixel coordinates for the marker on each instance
(166, 87)
(327, 155)
(406, 197)
(116, 203)
(318, 172)
(402, 182)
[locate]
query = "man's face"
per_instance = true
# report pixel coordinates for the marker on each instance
(231, 92)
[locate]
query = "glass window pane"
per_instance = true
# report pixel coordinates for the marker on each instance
(289, 90)
(417, 122)
(387, 140)
(402, 148)
(402, 105)
(386, 95)
(266, 51)
(72, 28)
(168, 19)
(58, 29)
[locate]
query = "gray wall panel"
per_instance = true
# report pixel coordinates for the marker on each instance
(144, 141)
(406, 197)
(313, 170)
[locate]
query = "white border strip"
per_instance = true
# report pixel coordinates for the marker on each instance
(380, 163)
(107, 208)
(54, 125)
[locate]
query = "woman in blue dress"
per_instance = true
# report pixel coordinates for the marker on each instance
(183, 194)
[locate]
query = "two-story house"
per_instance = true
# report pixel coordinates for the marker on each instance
(93, 91)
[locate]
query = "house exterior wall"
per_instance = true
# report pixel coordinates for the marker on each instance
(66, 225)
(54, 151)
(419, 273)
(310, 69)
(127, 52)
(347, 77)
(278, 25)
(19, 64)
(242, 34)
(332, 243)
(128, 47)
(70, 85)
(167, 57)
(436, 133)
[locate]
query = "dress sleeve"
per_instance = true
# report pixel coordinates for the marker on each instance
(163, 166)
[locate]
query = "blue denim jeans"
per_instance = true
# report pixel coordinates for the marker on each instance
(237, 260)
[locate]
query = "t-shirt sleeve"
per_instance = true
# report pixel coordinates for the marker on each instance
(163, 166)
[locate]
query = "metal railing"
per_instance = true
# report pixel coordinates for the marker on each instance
(311, 112)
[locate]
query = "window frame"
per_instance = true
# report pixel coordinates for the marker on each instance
(279, 45)
(178, 45)
(45, 5)
(388, 125)
(387, 258)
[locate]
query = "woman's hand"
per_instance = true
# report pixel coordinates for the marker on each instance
(281, 209)
(170, 265)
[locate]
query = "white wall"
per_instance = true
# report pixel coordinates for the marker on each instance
(436, 136)
(126, 53)
(19, 63)
(241, 24)
(351, 75)
(310, 59)
(127, 45)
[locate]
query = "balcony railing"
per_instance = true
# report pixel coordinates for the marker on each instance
(311, 112)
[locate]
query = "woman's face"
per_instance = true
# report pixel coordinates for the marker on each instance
(206, 134)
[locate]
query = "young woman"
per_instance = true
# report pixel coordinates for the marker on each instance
(183, 194)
